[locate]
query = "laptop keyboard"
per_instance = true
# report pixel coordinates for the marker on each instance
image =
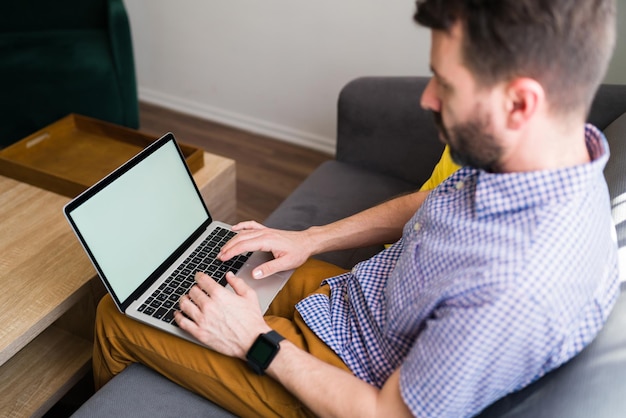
(164, 301)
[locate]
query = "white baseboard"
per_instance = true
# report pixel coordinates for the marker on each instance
(238, 121)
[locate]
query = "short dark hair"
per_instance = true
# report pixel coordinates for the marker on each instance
(566, 45)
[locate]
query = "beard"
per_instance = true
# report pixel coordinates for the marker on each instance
(470, 142)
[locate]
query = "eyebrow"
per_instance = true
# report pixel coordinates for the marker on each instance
(436, 74)
(443, 81)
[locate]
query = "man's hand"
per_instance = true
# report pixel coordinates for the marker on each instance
(290, 248)
(225, 321)
(379, 225)
(229, 323)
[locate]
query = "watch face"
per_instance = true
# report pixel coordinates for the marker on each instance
(262, 352)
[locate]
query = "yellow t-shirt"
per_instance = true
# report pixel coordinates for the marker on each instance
(444, 168)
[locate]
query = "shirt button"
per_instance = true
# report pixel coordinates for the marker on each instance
(346, 298)
(459, 185)
(417, 227)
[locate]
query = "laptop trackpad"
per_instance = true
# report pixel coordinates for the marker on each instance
(266, 288)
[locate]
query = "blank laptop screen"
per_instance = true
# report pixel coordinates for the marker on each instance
(136, 222)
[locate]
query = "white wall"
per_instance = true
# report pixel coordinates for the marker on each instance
(275, 67)
(617, 70)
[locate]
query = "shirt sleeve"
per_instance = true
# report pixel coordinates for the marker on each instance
(444, 168)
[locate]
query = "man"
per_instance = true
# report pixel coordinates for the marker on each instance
(493, 281)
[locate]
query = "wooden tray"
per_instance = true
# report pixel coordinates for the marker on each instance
(75, 152)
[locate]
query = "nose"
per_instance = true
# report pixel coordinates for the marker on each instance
(429, 99)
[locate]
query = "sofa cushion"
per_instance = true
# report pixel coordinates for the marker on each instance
(139, 392)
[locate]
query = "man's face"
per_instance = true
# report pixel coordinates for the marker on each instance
(461, 109)
(471, 143)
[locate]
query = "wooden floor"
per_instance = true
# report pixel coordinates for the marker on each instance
(268, 170)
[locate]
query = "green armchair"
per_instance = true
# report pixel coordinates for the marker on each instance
(61, 57)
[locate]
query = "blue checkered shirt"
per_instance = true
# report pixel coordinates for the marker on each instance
(497, 279)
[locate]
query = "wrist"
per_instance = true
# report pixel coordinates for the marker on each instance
(317, 238)
(263, 351)
(245, 344)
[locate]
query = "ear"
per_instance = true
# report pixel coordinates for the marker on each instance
(524, 97)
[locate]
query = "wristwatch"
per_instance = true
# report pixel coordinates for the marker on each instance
(263, 351)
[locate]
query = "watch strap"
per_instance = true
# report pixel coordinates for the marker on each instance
(274, 336)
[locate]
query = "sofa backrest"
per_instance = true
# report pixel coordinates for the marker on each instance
(608, 104)
(382, 127)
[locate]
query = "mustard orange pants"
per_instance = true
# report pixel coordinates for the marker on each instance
(226, 381)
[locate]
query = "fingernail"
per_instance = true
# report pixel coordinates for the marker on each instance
(257, 274)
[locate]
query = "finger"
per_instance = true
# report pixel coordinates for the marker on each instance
(188, 307)
(198, 296)
(271, 267)
(197, 305)
(206, 283)
(247, 225)
(184, 322)
(241, 243)
(239, 286)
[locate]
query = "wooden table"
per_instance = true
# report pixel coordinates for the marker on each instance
(50, 290)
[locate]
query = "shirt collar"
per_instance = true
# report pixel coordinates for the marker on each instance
(503, 192)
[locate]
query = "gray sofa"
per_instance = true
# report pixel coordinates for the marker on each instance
(387, 145)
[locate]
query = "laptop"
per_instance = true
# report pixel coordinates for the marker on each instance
(147, 231)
